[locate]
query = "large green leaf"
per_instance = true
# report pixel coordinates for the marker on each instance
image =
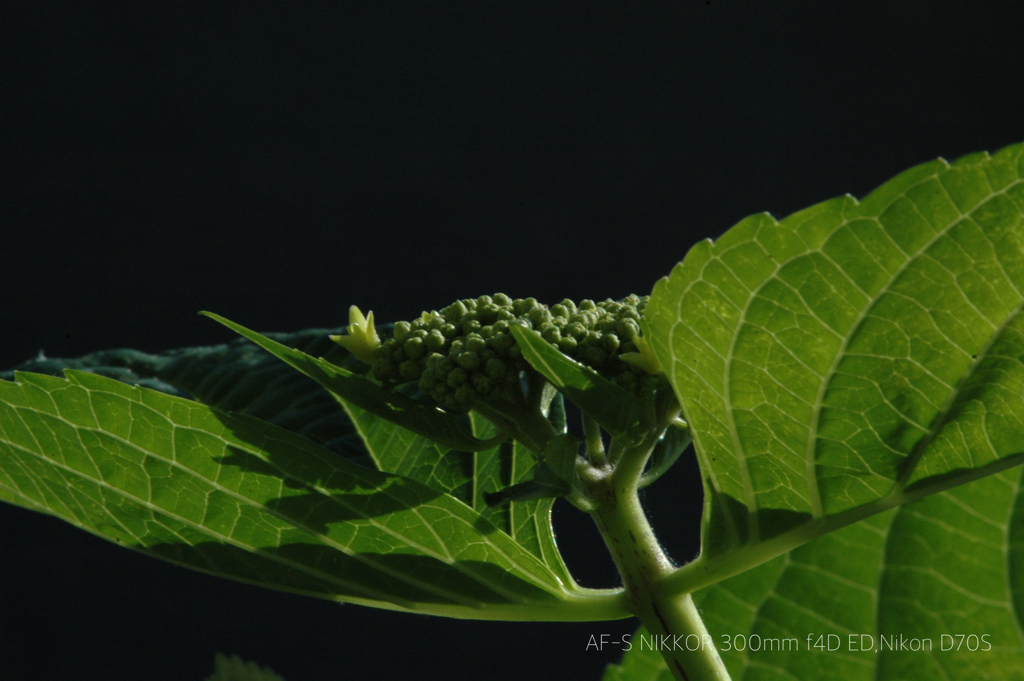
(239, 377)
(642, 662)
(441, 427)
(865, 601)
(242, 377)
(235, 496)
(853, 357)
(944, 572)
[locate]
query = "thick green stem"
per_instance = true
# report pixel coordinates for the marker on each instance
(672, 619)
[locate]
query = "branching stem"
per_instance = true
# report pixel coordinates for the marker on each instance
(671, 619)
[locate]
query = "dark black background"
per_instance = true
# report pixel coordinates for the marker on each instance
(277, 163)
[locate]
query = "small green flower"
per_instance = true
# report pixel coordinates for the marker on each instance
(645, 358)
(362, 339)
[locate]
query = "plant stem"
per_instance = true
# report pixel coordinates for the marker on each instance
(672, 619)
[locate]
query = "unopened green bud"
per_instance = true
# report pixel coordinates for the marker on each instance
(457, 377)
(465, 395)
(428, 381)
(482, 384)
(410, 370)
(551, 334)
(455, 311)
(577, 331)
(402, 330)
(539, 317)
(503, 343)
(495, 369)
(435, 340)
(384, 370)
(560, 310)
(628, 328)
(469, 360)
(415, 348)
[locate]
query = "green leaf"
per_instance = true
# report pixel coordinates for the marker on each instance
(242, 377)
(668, 450)
(615, 409)
(640, 663)
(469, 477)
(553, 476)
(853, 357)
(528, 522)
(948, 570)
(394, 449)
(238, 376)
(235, 668)
(495, 469)
(441, 427)
(234, 496)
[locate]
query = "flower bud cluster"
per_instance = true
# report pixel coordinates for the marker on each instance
(466, 351)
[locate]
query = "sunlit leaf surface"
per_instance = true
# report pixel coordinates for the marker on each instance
(931, 590)
(855, 355)
(237, 497)
(239, 377)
